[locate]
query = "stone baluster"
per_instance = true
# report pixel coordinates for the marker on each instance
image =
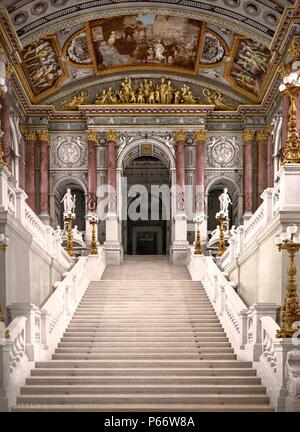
(248, 173)
(92, 141)
(30, 138)
(44, 143)
(262, 147)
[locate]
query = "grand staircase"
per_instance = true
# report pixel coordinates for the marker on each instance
(144, 338)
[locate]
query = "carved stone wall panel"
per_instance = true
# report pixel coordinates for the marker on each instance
(68, 151)
(224, 151)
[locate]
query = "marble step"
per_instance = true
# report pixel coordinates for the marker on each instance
(142, 380)
(145, 363)
(143, 389)
(153, 407)
(142, 399)
(147, 339)
(143, 356)
(143, 345)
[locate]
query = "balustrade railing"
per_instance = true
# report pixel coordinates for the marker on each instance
(252, 333)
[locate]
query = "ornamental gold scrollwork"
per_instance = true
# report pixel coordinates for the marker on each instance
(92, 135)
(74, 101)
(9, 72)
(146, 92)
(111, 136)
(30, 135)
(200, 135)
(43, 136)
(181, 135)
(284, 70)
(294, 50)
(262, 135)
(249, 135)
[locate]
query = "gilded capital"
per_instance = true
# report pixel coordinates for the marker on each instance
(30, 135)
(200, 135)
(284, 70)
(92, 135)
(111, 136)
(249, 135)
(262, 135)
(181, 135)
(43, 136)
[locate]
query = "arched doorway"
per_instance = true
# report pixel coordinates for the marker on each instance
(148, 234)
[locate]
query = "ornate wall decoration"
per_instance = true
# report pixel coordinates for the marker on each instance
(78, 50)
(39, 8)
(223, 151)
(213, 50)
(251, 8)
(218, 100)
(20, 18)
(59, 3)
(42, 66)
(69, 152)
(249, 66)
(74, 101)
(147, 39)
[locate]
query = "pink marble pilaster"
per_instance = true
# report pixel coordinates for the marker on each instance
(30, 168)
(262, 148)
(270, 174)
(180, 138)
(92, 140)
(248, 171)
(200, 139)
(5, 126)
(111, 138)
(44, 143)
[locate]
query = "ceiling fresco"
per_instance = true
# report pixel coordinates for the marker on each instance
(220, 48)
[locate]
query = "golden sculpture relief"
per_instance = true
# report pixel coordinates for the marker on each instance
(2, 161)
(291, 150)
(9, 71)
(147, 92)
(74, 101)
(181, 135)
(218, 100)
(249, 135)
(262, 135)
(200, 135)
(284, 70)
(43, 136)
(111, 136)
(1, 314)
(92, 135)
(294, 50)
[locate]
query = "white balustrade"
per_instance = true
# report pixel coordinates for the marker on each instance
(252, 333)
(35, 332)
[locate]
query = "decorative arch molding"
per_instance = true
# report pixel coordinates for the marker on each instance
(162, 151)
(224, 180)
(68, 181)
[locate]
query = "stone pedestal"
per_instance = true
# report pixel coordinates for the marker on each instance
(289, 190)
(112, 246)
(180, 246)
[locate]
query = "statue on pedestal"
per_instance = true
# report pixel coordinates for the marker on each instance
(69, 202)
(225, 200)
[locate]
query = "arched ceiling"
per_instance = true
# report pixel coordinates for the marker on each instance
(81, 45)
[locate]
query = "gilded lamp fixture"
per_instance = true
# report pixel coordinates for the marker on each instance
(291, 149)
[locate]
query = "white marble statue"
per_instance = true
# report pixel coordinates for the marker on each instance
(225, 200)
(69, 202)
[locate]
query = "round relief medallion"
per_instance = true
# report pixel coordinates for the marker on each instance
(251, 8)
(20, 18)
(270, 18)
(59, 3)
(69, 152)
(39, 8)
(232, 3)
(223, 153)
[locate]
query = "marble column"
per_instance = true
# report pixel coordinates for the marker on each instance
(200, 140)
(248, 172)
(30, 139)
(112, 244)
(111, 138)
(5, 126)
(44, 144)
(92, 141)
(180, 139)
(285, 119)
(270, 169)
(179, 249)
(262, 149)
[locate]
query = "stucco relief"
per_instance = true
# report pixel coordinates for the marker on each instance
(223, 151)
(69, 152)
